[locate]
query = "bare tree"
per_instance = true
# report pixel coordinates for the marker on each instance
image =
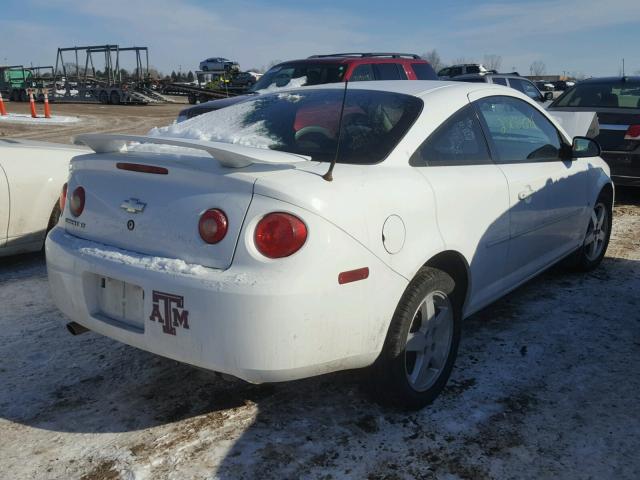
(492, 61)
(433, 57)
(537, 68)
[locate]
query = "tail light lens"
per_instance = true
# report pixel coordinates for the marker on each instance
(62, 201)
(76, 203)
(633, 133)
(213, 225)
(279, 235)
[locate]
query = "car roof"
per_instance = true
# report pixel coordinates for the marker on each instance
(487, 75)
(416, 88)
(353, 60)
(633, 79)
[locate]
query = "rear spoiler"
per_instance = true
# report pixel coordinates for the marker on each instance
(228, 154)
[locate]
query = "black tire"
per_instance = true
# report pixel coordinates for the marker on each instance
(53, 220)
(192, 99)
(103, 97)
(115, 98)
(24, 97)
(390, 379)
(585, 259)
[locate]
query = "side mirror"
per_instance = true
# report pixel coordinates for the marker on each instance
(548, 95)
(584, 147)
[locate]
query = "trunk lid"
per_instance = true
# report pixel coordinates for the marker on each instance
(613, 127)
(158, 214)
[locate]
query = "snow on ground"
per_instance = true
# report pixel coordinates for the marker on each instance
(22, 118)
(546, 386)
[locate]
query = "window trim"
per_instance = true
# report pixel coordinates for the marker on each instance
(415, 160)
(494, 150)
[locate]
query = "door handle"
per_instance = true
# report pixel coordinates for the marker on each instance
(525, 195)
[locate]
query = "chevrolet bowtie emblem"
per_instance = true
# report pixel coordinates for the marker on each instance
(133, 205)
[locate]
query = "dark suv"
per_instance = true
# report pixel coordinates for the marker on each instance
(513, 80)
(319, 69)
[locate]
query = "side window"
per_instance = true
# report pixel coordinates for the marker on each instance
(519, 132)
(362, 73)
(455, 71)
(424, 71)
(459, 141)
(500, 81)
(389, 71)
(525, 87)
(473, 69)
(444, 72)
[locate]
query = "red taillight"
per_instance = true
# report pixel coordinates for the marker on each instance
(633, 133)
(76, 203)
(279, 235)
(63, 198)
(213, 225)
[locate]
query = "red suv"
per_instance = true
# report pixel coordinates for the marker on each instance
(336, 67)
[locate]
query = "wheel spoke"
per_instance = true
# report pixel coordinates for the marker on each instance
(416, 342)
(590, 238)
(601, 215)
(417, 368)
(594, 219)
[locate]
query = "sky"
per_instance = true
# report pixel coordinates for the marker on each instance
(588, 37)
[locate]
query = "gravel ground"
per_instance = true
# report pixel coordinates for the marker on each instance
(546, 386)
(132, 119)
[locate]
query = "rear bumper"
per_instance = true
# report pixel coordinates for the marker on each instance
(625, 167)
(258, 328)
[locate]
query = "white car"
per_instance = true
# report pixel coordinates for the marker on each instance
(31, 176)
(216, 64)
(445, 196)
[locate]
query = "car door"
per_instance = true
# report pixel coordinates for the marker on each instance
(389, 71)
(4, 206)
(362, 73)
(547, 195)
(471, 199)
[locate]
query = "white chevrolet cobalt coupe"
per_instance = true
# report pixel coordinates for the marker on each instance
(222, 241)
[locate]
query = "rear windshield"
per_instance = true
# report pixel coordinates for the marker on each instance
(307, 122)
(280, 76)
(606, 94)
(424, 71)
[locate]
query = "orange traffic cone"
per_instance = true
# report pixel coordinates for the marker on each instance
(32, 105)
(3, 110)
(47, 108)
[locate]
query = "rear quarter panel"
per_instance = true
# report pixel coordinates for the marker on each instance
(35, 177)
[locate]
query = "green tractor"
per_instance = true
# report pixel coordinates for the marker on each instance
(15, 81)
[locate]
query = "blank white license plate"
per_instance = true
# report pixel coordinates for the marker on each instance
(121, 301)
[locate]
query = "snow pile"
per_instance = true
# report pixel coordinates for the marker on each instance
(101, 251)
(293, 83)
(227, 125)
(23, 118)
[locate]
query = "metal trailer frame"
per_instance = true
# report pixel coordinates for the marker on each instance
(111, 88)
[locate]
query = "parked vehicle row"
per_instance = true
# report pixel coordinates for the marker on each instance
(322, 69)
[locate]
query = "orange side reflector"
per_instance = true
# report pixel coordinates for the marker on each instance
(353, 275)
